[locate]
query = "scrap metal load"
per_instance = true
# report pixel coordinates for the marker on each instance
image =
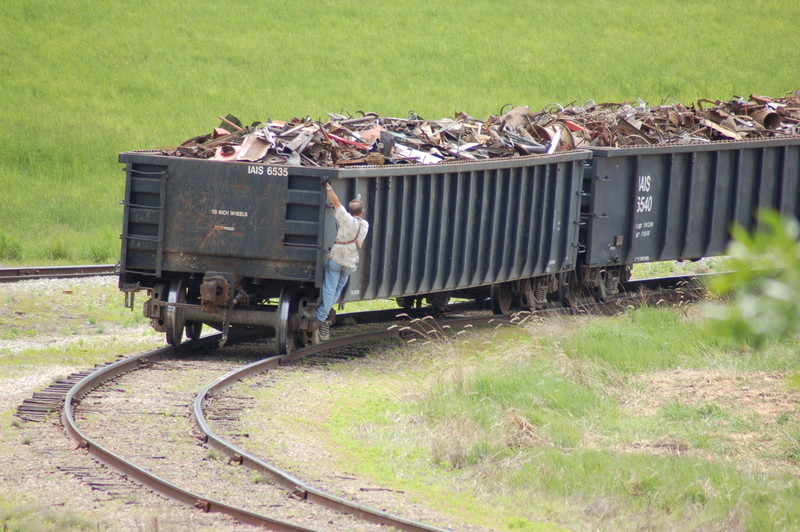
(370, 139)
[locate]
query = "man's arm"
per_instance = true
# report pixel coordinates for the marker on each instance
(332, 196)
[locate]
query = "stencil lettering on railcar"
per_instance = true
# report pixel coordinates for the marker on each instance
(644, 203)
(643, 229)
(225, 212)
(274, 171)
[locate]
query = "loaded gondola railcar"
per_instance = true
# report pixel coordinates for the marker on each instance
(679, 202)
(234, 244)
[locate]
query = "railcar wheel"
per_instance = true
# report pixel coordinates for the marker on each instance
(160, 292)
(407, 303)
(194, 329)
(526, 295)
(285, 332)
(302, 305)
(174, 315)
(600, 293)
(303, 338)
(607, 285)
(439, 300)
(501, 298)
(569, 290)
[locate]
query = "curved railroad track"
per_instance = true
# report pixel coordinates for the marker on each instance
(78, 386)
(297, 489)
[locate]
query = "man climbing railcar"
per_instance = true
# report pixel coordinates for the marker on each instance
(351, 232)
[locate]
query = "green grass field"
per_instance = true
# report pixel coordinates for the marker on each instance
(83, 81)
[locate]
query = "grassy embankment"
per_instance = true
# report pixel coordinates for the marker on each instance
(83, 80)
(636, 422)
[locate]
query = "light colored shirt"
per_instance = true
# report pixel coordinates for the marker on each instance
(350, 234)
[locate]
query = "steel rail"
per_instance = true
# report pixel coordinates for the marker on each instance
(671, 283)
(288, 481)
(22, 273)
(128, 469)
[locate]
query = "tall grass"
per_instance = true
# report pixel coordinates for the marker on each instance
(84, 80)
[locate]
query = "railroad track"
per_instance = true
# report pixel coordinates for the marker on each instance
(22, 273)
(73, 389)
(295, 487)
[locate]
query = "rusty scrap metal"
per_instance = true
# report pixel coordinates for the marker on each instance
(370, 139)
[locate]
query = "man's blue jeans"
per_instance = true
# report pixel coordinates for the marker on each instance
(333, 283)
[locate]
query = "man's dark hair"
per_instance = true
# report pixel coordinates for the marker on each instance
(356, 207)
